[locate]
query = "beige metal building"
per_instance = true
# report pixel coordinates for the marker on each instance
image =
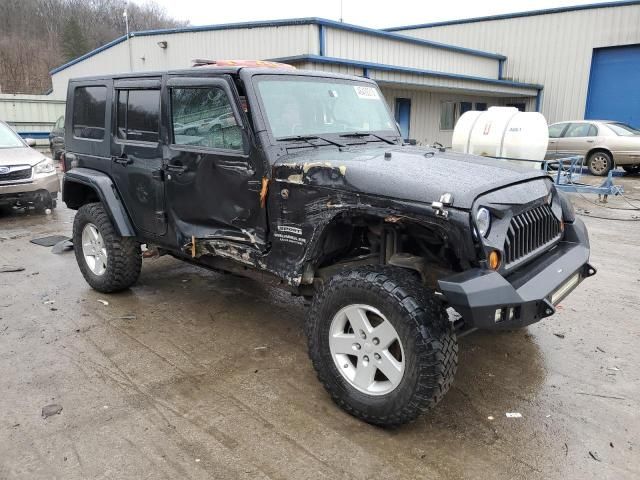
(429, 74)
(562, 49)
(416, 76)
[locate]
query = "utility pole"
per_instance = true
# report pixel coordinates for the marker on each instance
(126, 22)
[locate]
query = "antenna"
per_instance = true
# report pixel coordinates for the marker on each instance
(126, 22)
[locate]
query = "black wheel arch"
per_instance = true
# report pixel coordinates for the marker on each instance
(81, 186)
(342, 224)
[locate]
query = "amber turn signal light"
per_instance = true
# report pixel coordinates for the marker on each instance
(494, 260)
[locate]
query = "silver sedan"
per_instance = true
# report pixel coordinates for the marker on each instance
(604, 144)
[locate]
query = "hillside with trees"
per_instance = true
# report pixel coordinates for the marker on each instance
(39, 35)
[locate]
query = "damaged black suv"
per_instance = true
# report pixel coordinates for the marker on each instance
(301, 179)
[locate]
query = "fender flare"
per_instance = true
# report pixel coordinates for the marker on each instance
(106, 191)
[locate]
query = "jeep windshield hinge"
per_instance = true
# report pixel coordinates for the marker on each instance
(446, 199)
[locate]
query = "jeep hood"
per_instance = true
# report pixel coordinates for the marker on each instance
(401, 172)
(19, 156)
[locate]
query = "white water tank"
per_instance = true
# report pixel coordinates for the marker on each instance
(502, 132)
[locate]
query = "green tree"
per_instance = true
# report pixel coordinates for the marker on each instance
(74, 42)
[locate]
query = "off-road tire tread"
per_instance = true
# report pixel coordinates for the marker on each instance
(436, 343)
(124, 259)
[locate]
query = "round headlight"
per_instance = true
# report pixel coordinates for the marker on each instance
(483, 221)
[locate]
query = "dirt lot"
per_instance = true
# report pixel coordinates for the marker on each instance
(192, 374)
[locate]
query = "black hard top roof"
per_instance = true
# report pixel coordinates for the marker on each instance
(217, 71)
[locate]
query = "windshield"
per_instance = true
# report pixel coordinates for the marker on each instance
(623, 129)
(8, 138)
(314, 106)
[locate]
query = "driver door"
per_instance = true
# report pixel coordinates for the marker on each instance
(213, 173)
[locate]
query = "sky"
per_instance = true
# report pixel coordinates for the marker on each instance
(367, 13)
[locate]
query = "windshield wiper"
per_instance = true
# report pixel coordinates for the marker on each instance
(368, 134)
(308, 138)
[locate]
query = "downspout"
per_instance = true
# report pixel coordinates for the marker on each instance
(322, 40)
(539, 100)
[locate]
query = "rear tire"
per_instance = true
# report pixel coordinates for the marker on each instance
(108, 262)
(599, 163)
(424, 347)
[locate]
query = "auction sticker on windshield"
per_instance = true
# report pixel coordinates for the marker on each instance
(369, 93)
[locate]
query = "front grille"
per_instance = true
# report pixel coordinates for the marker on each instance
(15, 174)
(530, 231)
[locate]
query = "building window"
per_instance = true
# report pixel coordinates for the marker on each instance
(89, 105)
(139, 115)
(481, 106)
(203, 117)
(465, 107)
(447, 115)
(520, 106)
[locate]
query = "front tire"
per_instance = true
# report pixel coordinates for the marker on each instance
(599, 163)
(108, 262)
(381, 344)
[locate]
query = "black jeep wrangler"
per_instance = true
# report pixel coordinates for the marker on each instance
(301, 179)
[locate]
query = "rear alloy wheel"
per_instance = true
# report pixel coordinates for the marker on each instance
(93, 249)
(600, 163)
(108, 262)
(382, 345)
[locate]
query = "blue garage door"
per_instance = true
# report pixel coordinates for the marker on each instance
(614, 86)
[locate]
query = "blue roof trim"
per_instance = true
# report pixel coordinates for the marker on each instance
(327, 23)
(394, 68)
(507, 16)
(89, 54)
(284, 23)
(33, 135)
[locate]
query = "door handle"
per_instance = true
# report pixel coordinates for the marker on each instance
(175, 168)
(589, 141)
(122, 160)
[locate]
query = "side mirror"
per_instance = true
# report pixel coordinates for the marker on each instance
(411, 141)
(30, 141)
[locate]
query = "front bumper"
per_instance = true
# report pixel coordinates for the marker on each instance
(487, 300)
(31, 191)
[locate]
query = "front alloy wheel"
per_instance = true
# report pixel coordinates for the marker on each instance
(381, 344)
(366, 349)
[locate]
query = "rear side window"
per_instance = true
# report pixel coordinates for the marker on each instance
(556, 130)
(138, 116)
(89, 112)
(580, 130)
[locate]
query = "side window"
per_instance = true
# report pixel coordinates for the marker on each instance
(593, 131)
(60, 123)
(578, 130)
(447, 115)
(89, 105)
(138, 115)
(203, 117)
(556, 129)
